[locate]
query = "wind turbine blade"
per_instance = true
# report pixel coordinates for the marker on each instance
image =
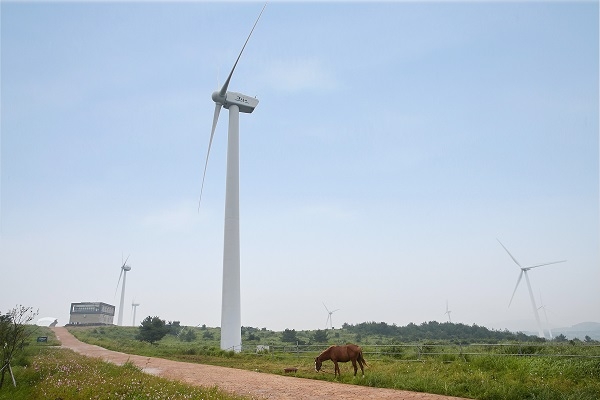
(212, 134)
(119, 281)
(226, 84)
(511, 256)
(541, 265)
(516, 286)
(326, 307)
(125, 261)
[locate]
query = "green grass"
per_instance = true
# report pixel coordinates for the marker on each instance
(55, 373)
(484, 377)
(64, 374)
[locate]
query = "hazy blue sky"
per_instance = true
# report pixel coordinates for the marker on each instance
(393, 144)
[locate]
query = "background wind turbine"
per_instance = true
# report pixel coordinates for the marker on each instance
(543, 307)
(524, 271)
(124, 269)
(134, 307)
(329, 319)
(448, 312)
(231, 320)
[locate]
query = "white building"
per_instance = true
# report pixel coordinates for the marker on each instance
(95, 313)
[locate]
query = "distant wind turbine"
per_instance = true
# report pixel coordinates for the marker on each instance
(329, 318)
(524, 271)
(448, 312)
(134, 307)
(124, 269)
(231, 325)
(543, 307)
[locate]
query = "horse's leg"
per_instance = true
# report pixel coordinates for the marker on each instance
(336, 369)
(361, 367)
(355, 367)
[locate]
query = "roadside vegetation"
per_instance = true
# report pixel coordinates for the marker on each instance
(13, 336)
(517, 367)
(45, 371)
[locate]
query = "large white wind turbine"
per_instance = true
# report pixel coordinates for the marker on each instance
(329, 319)
(124, 269)
(524, 272)
(231, 321)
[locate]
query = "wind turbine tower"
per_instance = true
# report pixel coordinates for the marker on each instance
(124, 269)
(134, 307)
(329, 319)
(524, 271)
(231, 320)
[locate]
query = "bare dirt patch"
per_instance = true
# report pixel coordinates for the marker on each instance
(248, 383)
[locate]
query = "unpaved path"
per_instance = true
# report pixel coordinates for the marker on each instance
(254, 384)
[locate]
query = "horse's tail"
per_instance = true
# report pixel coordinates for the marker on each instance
(361, 359)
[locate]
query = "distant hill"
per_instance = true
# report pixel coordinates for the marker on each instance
(580, 331)
(434, 330)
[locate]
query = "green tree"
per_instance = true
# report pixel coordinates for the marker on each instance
(320, 336)
(174, 327)
(152, 330)
(13, 334)
(560, 338)
(588, 339)
(289, 335)
(188, 335)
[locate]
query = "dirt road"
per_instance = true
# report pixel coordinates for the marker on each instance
(255, 384)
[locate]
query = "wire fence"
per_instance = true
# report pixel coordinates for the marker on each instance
(444, 352)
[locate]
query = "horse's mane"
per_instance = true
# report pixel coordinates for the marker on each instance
(327, 351)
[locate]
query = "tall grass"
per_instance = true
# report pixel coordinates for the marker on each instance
(488, 377)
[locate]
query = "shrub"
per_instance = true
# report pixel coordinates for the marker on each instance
(152, 330)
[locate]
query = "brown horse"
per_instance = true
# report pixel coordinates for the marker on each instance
(349, 352)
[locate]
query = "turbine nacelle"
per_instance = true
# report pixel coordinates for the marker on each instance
(126, 268)
(245, 103)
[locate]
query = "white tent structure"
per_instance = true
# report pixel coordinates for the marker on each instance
(47, 321)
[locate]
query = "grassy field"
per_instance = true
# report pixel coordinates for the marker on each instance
(44, 371)
(481, 377)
